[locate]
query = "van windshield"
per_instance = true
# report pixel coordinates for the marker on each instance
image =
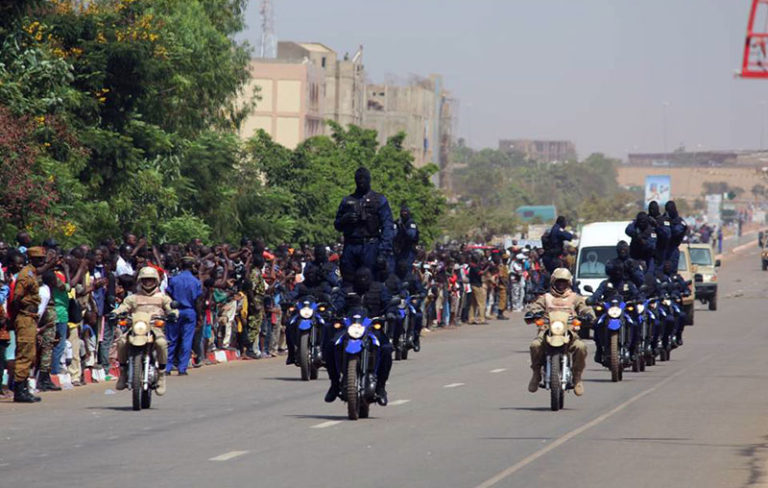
(701, 256)
(592, 261)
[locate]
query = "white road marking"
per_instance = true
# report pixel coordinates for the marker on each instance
(453, 385)
(575, 432)
(326, 424)
(228, 455)
(500, 370)
(398, 402)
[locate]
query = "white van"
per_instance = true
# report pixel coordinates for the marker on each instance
(597, 246)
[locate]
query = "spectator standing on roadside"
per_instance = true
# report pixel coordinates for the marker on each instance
(186, 289)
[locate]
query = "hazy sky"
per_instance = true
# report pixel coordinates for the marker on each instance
(598, 72)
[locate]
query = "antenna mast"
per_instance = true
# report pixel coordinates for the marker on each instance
(268, 40)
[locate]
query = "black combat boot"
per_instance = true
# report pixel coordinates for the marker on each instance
(333, 393)
(381, 395)
(22, 394)
(46, 384)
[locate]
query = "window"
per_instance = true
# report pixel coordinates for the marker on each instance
(592, 261)
(322, 62)
(700, 256)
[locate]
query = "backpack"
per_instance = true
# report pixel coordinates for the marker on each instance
(546, 241)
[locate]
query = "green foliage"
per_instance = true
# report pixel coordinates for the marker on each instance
(493, 184)
(183, 229)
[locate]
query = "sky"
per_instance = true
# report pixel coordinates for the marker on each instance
(609, 75)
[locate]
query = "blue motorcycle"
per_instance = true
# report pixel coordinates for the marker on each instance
(614, 322)
(402, 334)
(358, 361)
(308, 324)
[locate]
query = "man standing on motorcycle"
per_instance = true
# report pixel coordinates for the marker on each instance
(642, 247)
(560, 297)
(678, 288)
(677, 231)
(370, 298)
(632, 269)
(366, 221)
(150, 300)
(615, 285)
(406, 236)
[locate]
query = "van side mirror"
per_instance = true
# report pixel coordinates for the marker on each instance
(588, 288)
(717, 263)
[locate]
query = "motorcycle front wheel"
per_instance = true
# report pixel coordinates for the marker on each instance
(615, 363)
(555, 386)
(136, 383)
(353, 396)
(304, 356)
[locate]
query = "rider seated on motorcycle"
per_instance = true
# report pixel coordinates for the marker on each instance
(678, 288)
(320, 289)
(150, 300)
(560, 297)
(615, 285)
(403, 281)
(633, 269)
(370, 298)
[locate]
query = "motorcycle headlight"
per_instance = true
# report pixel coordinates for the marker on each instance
(640, 308)
(614, 312)
(305, 312)
(356, 330)
(140, 328)
(557, 328)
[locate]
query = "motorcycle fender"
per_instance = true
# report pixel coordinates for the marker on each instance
(305, 324)
(375, 340)
(601, 320)
(402, 313)
(354, 346)
(557, 341)
(614, 324)
(137, 340)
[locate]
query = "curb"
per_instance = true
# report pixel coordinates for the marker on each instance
(64, 380)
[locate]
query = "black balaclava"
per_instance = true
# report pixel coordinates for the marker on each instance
(614, 270)
(560, 221)
(401, 269)
(405, 213)
(362, 281)
(667, 268)
(642, 220)
(312, 276)
(671, 209)
(321, 255)
(382, 268)
(362, 181)
(653, 209)
(622, 250)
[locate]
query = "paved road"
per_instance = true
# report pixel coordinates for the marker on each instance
(460, 416)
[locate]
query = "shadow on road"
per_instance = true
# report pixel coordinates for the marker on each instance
(125, 408)
(516, 438)
(530, 409)
(320, 417)
(284, 378)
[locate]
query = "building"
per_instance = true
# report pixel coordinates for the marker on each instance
(684, 158)
(344, 85)
(423, 109)
(291, 108)
(541, 150)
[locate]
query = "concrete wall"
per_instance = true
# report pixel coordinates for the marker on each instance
(688, 182)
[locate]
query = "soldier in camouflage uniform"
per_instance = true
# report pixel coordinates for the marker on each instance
(47, 339)
(256, 307)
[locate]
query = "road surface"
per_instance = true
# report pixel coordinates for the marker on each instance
(459, 416)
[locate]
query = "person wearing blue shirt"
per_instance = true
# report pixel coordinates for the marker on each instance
(365, 219)
(556, 241)
(185, 288)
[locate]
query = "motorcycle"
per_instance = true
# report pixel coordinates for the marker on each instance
(648, 322)
(670, 312)
(308, 323)
(358, 362)
(403, 330)
(143, 367)
(556, 374)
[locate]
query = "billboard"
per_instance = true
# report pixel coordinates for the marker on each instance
(713, 208)
(657, 187)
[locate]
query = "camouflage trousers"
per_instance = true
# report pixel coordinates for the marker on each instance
(47, 341)
(255, 319)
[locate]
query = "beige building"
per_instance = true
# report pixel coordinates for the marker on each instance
(291, 106)
(422, 109)
(540, 150)
(344, 87)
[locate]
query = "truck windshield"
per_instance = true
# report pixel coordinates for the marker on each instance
(701, 256)
(592, 261)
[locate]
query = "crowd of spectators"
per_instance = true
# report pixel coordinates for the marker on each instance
(244, 301)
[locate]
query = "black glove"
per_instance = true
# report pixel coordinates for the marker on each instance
(350, 218)
(652, 221)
